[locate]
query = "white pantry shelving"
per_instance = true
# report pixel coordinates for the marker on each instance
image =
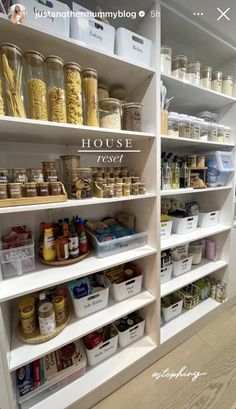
(192, 145)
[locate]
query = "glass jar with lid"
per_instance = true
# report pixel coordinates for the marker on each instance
(216, 82)
(4, 175)
(110, 113)
(35, 175)
(221, 133)
(12, 68)
(132, 117)
(43, 189)
(194, 73)
(227, 86)
(30, 189)
(15, 190)
(3, 191)
(36, 86)
(179, 67)
(214, 118)
(195, 127)
(206, 115)
(80, 183)
(103, 91)
(227, 134)
(90, 96)
(173, 124)
(204, 127)
(56, 89)
(19, 175)
(184, 126)
(166, 58)
(206, 76)
(213, 132)
(73, 93)
(2, 103)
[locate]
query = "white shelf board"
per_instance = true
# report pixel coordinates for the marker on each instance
(45, 132)
(46, 276)
(174, 192)
(73, 203)
(173, 142)
(188, 317)
(111, 68)
(192, 99)
(95, 377)
(200, 233)
(22, 353)
(205, 268)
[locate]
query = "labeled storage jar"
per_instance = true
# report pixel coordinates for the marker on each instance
(110, 113)
(216, 82)
(4, 175)
(213, 132)
(12, 68)
(35, 175)
(173, 124)
(55, 188)
(204, 128)
(195, 128)
(36, 86)
(221, 133)
(195, 250)
(47, 319)
(166, 58)
(3, 191)
(73, 89)
(56, 89)
(19, 175)
(227, 86)
(103, 92)
(179, 67)
(30, 189)
(227, 133)
(194, 73)
(43, 189)
(14, 190)
(206, 76)
(80, 183)
(132, 117)
(90, 97)
(2, 104)
(184, 126)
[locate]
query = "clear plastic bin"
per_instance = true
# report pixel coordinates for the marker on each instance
(220, 167)
(18, 260)
(107, 248)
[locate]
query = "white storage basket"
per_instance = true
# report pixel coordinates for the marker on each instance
(166, 273)
(133, 46)
(132, 334)
(184, 225)
(174, 309)
(126, 289)
(102, 351)
(182, 267)
(166, 228)
(208, 219)
(90, 304)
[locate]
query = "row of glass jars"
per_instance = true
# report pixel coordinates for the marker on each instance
(195, 72)
(22, 175)
(54, 92)
(184, 126)
(17, 190)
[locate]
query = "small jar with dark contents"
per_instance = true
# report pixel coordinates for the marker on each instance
(55, 188)
(3, 191)
(43, 189)
(30, 189)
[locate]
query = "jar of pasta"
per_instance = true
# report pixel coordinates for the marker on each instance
(56, 89)
(36, 86)
(90, 96)
(216, 82)
(73, 93)
(206, 76)
(227, 86)
(179, 67)
(2, 105)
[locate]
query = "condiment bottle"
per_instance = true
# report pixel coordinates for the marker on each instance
(27, 314)
(175, 174)
(60, 309)
(73, 241)
(46, 313)
(166, 175)
(62, 245)
(49, 250)
(83, 242)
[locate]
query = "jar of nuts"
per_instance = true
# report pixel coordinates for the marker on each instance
(56, 89)
(73, 93)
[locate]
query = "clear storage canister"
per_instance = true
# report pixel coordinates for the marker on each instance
(166, 58)
(227, 86)
(103, 92)
(203, 129)
(184, 126)
(195, 127)
(132, 117)
(2, 105)
(216, 82)
(36, 86)
(221, 133)
(179, 67)
(19, 175)
(35, 175)
(110, 113)
(173, 124)
(90, 97)
(213, 132)
(206, 115)
(12, 68)
(56, 89)
(206, 76)
(194, 73)
(80, 183)
(73, 89)
(227, 133)
(4, 175)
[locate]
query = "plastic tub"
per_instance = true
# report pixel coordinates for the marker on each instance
(165, 274)
(220, 166)
(208, 219)
(126, 289)
(166, 228)
(18, 260)
(184, 225)
(90, 304)
(107, 248)
(175, 308)
(133, 46)
(102, 351)
(132, 334)
(195, 250)
(182, 266)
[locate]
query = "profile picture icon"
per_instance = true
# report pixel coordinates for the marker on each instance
(17, 14)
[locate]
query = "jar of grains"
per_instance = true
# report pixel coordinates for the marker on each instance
(132, 117)
(73, 93)
(103, 92)
(173, 124)
(110, 113)
(36, 86)
(166, 57)
(179, 67)
(35, 175)
(216, 82)
(56, 89)
(206, 77)
(90, 96)
(227, 86)
(184, 126)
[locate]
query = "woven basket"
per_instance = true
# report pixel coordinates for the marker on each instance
(190, 295)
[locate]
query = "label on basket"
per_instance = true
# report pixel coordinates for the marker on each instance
(103, 350)
(92, 303)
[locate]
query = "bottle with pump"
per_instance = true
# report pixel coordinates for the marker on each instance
(166, 175)
(175, 171)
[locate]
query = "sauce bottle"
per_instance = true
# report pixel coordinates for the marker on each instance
(49, 250)
(73, 241)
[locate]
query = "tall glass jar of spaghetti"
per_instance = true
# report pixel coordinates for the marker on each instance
(90, 96)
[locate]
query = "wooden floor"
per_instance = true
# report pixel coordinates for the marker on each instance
(212, 350)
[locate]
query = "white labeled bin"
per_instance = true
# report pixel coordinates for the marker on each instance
(132, 334)
(90, 31)
(184, 225)
(182, 266)
(166, 273)
(18, 260)
(90, 304)
(208, 219)
(102, 351)
(166, 228)
(133, 46)
(174, 309)
(126, 289)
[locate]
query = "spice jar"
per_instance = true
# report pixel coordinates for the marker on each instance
(12, 68)
(173, 124)
(200, 161)
(213, 132)
(127, 179)
(134, 189)
(132, 117)
(27, 315)
(47, 320)
(194, 73)
(179, 67)
(204, 126)
(36, 86)
(43, 189)
(110, 113)
(60, 309)
(221, 133)
(14, 190)
(166, 57)
(30, 189)
(184, 126)
(111, 191)
(80, 183)
(56, 89)
(126, 189)
(49, 171)
(73, 93)
(35, 175)
(103, 92)
(2, 105)
(135, 179)
(192, 161)
(90, 97)
(216, 82)
(118, 190)
(4, 175)
(3, 191)
(142, 188)
(19, 175)
(55, 188)
(227, 133)
(206, 76)
(227, 86)
(195, 128)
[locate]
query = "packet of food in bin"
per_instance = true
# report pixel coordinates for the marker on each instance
(81, 287)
